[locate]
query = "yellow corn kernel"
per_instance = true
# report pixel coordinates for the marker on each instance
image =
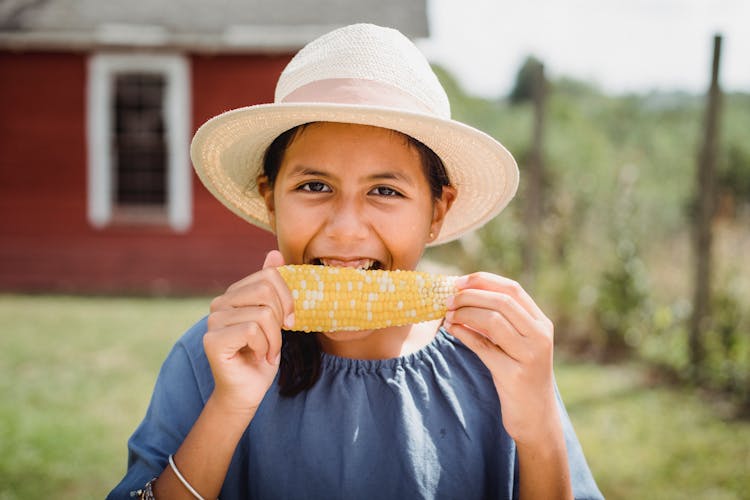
(342, 298)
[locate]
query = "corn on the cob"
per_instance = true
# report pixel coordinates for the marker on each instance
(339, 298)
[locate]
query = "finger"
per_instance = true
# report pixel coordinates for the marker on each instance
(491, 325)
(505, 304)
(236, 316)
(262, 315)
(265, 287)
(228, 342)
(271, 327)
(493, 282)
(256, 302)
(273, 259)
(487, 352)
(257, 291)
(262, 303)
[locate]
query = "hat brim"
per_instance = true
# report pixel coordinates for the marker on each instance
(227, 153)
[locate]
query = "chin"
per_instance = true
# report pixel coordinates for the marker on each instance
(347, 336)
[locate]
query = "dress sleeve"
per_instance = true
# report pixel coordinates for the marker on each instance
(181, 390)
(584, 486)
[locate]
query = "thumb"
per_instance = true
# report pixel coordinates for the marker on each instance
(273, 259)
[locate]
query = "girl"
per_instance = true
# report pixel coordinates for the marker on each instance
(358, 164)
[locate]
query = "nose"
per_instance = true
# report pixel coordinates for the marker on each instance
(346, 221)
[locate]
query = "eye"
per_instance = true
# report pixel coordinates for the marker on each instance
(385, 191)
(315, 187)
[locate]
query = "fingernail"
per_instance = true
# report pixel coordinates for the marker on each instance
(461, 282)
(289, 321)
(447, 325)
(449, 302)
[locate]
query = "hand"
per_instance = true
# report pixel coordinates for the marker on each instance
(243, 341)
(494, 317)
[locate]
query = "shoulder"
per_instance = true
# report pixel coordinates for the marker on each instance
(187, 361)
(192, 340)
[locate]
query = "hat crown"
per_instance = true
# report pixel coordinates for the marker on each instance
(368, 54)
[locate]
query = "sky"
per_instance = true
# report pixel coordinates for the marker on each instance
(620, 45)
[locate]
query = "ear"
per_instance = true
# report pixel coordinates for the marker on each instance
(440, 208)
(266, 191)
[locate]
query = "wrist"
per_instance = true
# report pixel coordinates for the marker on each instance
(546, 439)
(542, 431)
(228, 411)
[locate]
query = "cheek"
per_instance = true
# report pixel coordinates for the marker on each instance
(405, 235)
(419, 220)
(294, 228)
(403, 225)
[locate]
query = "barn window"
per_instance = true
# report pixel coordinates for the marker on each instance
(138, 139)
(139, 142)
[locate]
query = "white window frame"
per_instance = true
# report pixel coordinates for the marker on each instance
(102, 70)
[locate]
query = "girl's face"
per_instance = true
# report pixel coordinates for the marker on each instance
(353, 195)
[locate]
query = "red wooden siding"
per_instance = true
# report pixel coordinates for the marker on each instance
(46, 243)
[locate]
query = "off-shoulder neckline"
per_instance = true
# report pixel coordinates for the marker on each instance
(442, 339)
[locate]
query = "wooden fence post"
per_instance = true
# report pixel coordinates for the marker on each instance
(704, 208)
(533, 207)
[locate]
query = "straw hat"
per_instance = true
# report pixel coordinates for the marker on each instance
(362, 74)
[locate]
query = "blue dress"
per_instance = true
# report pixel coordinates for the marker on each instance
(423, 426)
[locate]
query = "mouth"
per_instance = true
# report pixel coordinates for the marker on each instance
(363, 264)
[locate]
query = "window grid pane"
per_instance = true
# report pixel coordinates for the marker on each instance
(140, 142)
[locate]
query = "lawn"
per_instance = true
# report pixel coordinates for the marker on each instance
(76, 374)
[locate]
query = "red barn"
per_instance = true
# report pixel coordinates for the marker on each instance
(98, 103)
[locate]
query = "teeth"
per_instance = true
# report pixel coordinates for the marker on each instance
(364, 264)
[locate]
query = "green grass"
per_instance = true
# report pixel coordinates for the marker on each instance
(76, 374)
(651, 441)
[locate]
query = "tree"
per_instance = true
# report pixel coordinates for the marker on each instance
(523, 89)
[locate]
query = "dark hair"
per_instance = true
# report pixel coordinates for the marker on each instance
(300, 352)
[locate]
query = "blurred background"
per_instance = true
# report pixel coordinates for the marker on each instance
(631, 228)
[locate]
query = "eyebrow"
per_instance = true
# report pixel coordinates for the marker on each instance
(304, 171)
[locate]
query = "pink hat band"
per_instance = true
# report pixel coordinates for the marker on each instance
(357, 92)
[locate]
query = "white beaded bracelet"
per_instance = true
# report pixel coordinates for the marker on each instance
(183, 480)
